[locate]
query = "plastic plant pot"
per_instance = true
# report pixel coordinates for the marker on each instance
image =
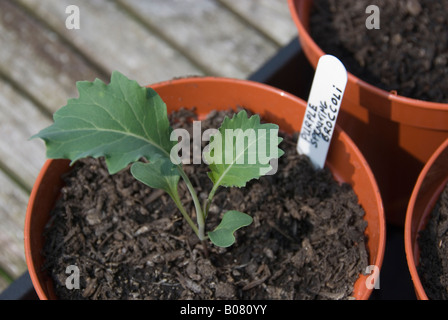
(397, 135)
(206, 94)
(427, 190)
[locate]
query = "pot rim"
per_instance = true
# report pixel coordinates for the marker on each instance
(378, 258)
(27, 231)
(411, 245)
(295, 10)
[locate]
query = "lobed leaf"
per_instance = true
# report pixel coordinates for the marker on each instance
(235, 155)
(121, 121)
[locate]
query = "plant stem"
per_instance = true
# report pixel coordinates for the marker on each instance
(181, 208)
(209, 200)
(199, 213)
(204, 245)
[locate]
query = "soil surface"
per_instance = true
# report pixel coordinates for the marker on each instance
(433, 243)
(130, 242)
(408, 54)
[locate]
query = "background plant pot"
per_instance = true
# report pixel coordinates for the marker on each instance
(427, 190)
(207, 94)
(396, 134)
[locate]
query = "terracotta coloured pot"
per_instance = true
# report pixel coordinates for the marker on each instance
(396, 134)
(427, 190)
(207, 94)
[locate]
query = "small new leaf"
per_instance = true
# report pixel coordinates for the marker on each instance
(232, 220)
(241, 150)
(121, 121)
(158, 174)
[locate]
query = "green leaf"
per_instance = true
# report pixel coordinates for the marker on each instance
(159, 174)
(232, 220)
(121, 121)
(162, 174)
(235, 154)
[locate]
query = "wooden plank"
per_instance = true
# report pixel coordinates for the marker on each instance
(13, 202)
(19, 120)
(113, 40)
(272, 17)
(3, 284)
(207, 32)
(36, 59)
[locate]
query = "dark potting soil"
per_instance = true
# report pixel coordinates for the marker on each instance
(130, 242)
(433, 243)
(408, 54)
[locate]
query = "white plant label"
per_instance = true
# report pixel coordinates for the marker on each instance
(322, 109)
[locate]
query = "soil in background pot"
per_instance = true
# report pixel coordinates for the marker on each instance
(408, 54)
(433, 243)
(129, 241)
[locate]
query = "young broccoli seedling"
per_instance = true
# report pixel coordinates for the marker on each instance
(125, 123)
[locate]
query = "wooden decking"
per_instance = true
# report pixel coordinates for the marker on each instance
(148, 40)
